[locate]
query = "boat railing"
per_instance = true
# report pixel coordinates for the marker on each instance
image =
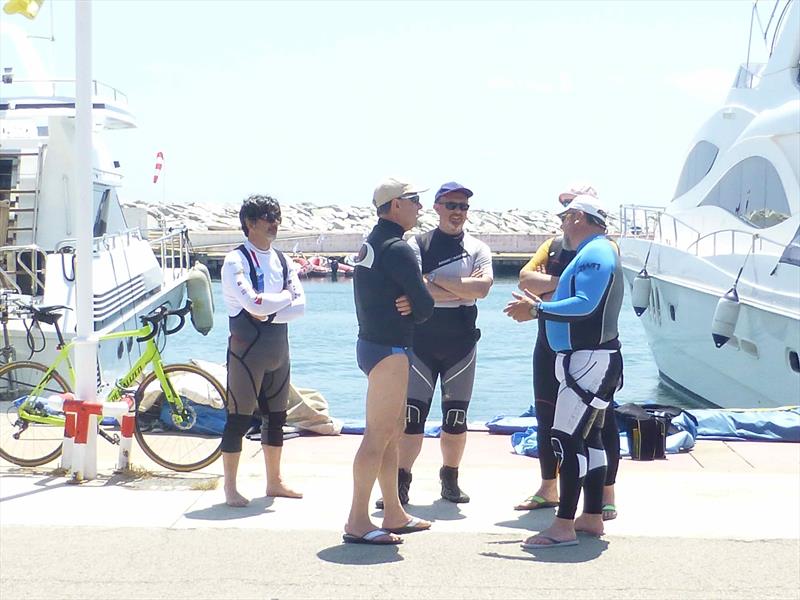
(22, 269)
(59, 88)
(651, 222)
(172, 248)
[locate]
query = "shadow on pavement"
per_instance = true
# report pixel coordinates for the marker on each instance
(360, 554)
(223, 512)
(45, 485)
(588, 549)
(531, 520)
(439, 510)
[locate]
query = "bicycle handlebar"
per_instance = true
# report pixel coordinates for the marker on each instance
(159, 316)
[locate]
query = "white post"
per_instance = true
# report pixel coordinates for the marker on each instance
(85, 342)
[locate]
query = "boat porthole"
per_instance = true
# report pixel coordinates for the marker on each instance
(672, 311)
(120, 349)
(130, 344)
(794, 361)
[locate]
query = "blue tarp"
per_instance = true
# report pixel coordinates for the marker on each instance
(761, 425)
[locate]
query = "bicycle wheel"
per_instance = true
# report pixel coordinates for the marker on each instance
(24, 442)
(181, 441)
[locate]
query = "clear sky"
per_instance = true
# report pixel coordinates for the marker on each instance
(317, 101)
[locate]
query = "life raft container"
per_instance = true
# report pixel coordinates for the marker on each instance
(198, 288)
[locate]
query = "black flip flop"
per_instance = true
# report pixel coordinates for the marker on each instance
(371, 538)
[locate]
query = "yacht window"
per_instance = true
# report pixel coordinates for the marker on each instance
(6, 176)
(697, 166)
(751, 190)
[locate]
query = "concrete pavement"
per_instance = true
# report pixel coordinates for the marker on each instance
(721, 521)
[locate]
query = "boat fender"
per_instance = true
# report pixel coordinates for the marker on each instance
(725, 316)
(198, 285)
(640, 292)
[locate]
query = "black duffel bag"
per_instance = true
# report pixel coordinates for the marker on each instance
(647, 427)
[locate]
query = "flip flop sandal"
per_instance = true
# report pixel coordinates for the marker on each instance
(414, 524)
(552, 543)
(609, 512)
(371, 537)
(538, 500)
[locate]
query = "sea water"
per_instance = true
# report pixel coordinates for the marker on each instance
(323, 353)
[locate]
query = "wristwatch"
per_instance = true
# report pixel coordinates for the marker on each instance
(535, 309)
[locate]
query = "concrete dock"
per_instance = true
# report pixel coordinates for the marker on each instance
(722, 521)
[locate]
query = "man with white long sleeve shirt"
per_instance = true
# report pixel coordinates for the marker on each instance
(262, 294)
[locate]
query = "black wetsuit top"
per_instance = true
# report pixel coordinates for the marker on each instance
(385, 269)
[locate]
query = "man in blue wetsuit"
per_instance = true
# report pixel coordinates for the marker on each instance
(581, 326)
(390, 298)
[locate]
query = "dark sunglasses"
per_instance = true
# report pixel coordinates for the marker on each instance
(411, 198)
(449, 205)
(270, 218)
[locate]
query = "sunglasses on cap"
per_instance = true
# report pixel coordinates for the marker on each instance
(565, 201)
(411, 198)
(450, 205)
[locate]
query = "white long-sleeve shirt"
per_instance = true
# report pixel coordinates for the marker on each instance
(237, 287)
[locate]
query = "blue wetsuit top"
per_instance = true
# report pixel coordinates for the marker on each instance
(385, 269)
(585, 307)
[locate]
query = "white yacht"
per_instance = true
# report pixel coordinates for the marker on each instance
(37, 228)
(734, 222)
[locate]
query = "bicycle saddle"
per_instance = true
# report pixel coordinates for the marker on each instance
(48, 314)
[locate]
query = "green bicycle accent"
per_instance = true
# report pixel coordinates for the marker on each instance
(31, 433)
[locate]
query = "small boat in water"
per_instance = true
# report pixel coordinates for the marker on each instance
(321, 267)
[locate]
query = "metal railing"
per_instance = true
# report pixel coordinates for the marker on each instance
(14, 269)
(66, 88)
(651, 222)
(172, 247)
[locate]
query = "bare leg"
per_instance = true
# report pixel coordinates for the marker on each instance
(452, 448)
(386, 396)
(275, 485)
(410, 446)
(230, 466)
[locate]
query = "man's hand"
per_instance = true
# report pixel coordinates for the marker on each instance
(403, 305)
(519, 309)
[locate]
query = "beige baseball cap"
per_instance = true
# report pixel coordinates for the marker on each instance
(392, 188)
(588, 204)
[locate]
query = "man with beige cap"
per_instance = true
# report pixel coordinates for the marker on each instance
(390, 297)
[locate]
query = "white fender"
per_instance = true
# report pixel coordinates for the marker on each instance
(640, 292)
(198, 288)
(725, 317)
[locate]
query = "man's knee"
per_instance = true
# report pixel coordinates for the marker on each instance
(272, 428)
(597, 458)
(565, 447)
(235, 427)
(454, 417)
(416, 415)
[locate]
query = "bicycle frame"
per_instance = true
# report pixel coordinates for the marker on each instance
(151, 355)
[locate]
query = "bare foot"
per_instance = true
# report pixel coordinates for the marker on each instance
(562, 530)
(537, 501)
(279, 490)
(362, 530)
(591, 524)
(235, 499)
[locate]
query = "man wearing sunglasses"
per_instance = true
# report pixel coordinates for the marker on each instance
(581, 327)
(458, 270)
(390, 297)
(262, 294)
(540, 276)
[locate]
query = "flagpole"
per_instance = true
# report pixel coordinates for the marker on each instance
(85, 342)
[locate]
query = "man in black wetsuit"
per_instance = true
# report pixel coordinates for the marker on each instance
(390, 297)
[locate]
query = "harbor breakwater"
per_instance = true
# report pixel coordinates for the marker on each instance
(336, 230)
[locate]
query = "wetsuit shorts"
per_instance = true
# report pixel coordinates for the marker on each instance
(369, 354)
(258, 366)
(451, 359)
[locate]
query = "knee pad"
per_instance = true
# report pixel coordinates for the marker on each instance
(597, 458)
(416, 415)
(272, 428)
(454, 417)
(565, 446)
(235, 427)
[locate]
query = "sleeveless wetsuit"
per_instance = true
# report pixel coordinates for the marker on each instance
(445, 345)
(257, 282)
(581, 326)
(386, 269)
